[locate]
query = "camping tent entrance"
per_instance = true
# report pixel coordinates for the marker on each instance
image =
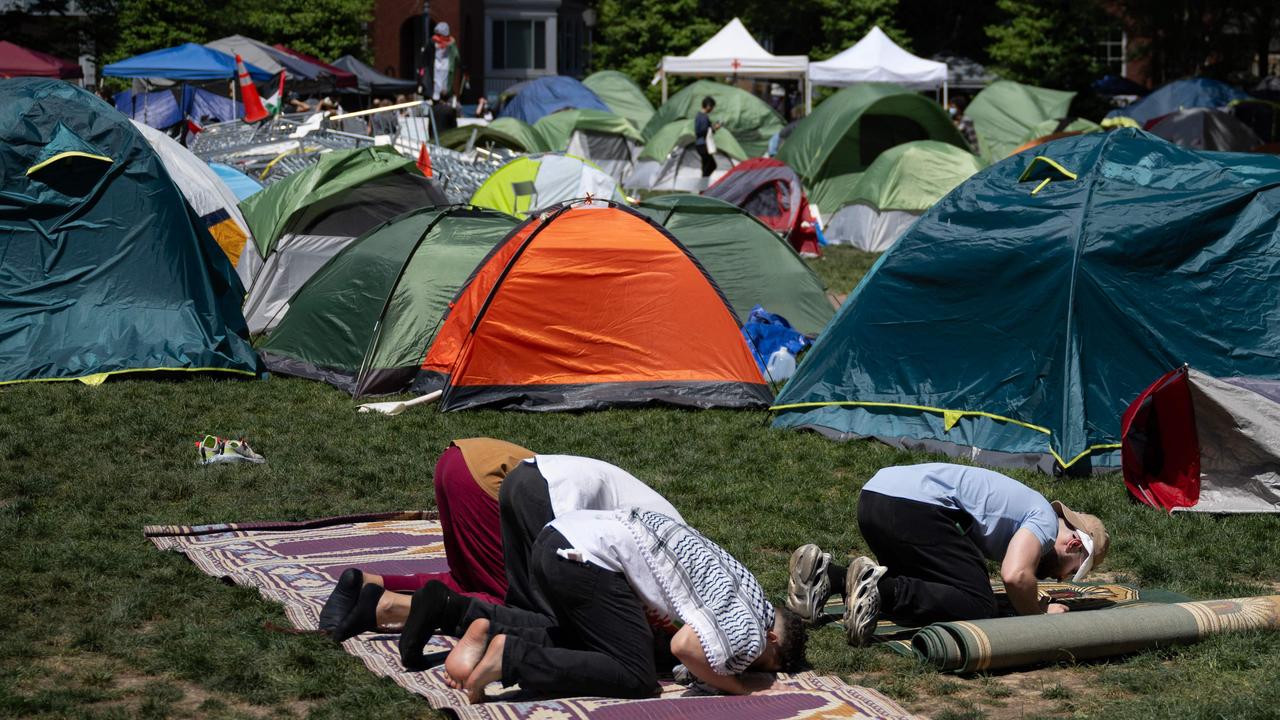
(613, 154)
(681, 171)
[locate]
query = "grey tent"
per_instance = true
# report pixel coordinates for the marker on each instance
(370, 81)
(1206, 129)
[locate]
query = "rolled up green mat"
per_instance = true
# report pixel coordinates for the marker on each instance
(979, 645)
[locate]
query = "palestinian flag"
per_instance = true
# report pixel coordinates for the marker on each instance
(275, 103)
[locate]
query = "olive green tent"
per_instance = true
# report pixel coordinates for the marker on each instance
(364, 321)
(1005, 114)
(505, 132)
(668, 161)
(899, 185)
(751, 264)
(104, 268)
(843, 135)
(622, 95)
(303, 220)
(534, 182)
(604, 138)
(751, 121)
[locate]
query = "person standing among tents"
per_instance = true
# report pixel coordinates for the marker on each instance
(703, 129)
(445, 64)
(933, 527)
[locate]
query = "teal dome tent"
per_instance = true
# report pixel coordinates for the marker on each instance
(1015, 321)
(104, 268)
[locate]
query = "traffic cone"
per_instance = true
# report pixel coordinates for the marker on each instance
(424, 161)
(253, 109)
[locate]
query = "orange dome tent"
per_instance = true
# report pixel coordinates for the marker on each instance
(586, 306)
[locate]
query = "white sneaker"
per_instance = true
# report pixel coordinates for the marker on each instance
(862, 600)
(808, 586)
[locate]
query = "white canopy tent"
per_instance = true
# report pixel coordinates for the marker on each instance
(876, 58)
(733, 51)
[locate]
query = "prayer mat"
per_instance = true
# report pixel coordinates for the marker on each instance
(297, 564)
(1078, 597)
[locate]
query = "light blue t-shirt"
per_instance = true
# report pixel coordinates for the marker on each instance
(1000, 505)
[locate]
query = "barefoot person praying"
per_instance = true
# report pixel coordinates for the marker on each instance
(618, 593)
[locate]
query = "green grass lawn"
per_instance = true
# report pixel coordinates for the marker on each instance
(96, 623)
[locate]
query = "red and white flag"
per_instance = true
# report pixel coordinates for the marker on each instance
(253, 109)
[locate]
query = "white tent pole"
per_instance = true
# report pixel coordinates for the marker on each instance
(808, 94)
(664, 85)
(944, 93)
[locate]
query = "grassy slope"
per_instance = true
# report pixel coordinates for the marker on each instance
(95, 623)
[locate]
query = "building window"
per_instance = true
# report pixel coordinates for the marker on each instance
(519, 45)
(1111, 52)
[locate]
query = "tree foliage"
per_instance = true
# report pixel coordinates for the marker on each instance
(1216, 38)
(1052, 43)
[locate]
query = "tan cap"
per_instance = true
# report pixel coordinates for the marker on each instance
(1092, 533)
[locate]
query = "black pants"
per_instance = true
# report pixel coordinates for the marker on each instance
(596, 641)
(936, 570)
(524, 507)
(708, 161)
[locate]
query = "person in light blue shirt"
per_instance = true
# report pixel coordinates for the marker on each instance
(932, 528)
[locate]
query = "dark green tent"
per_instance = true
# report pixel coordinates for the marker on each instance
(832, 146)
(364, 321)
(305, 219)
(751, 264)
(509, 133)
(1020, 316)
(104, 268)
(746, 116)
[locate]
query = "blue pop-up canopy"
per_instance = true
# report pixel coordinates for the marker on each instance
(184, 62)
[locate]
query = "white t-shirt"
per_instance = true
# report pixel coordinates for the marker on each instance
(606, 542)
(580, 483)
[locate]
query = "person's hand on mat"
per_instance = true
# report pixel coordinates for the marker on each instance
(1057, 609)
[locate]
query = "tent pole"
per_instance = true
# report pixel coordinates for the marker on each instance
(944, 93)
(233, 99)
(808, 94)
(664, 86)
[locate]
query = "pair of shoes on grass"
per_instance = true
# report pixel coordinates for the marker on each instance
(809, 586)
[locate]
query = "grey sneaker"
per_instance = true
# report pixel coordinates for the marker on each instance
(862, 600)
(808, 586)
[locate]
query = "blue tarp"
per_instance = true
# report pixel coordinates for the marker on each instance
(1179, 95)
(161, 109)
(242, 185)
(546, 95)
(158, 109)
(184, 62)
(767, 332)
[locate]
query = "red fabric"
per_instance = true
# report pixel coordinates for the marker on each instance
(341, 77)
(17, 61)
(424, 160)
(253, 108)
(1160, 451)
(472, 536)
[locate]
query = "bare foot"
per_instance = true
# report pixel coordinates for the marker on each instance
(392, 611)
(488, 670)
(464, 656)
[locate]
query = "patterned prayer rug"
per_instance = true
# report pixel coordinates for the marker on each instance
(296, 564)
(1076, 596)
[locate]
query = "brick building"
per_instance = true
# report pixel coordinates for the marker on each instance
(501, 42)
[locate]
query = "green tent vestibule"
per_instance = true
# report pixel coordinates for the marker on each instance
(364, 322)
